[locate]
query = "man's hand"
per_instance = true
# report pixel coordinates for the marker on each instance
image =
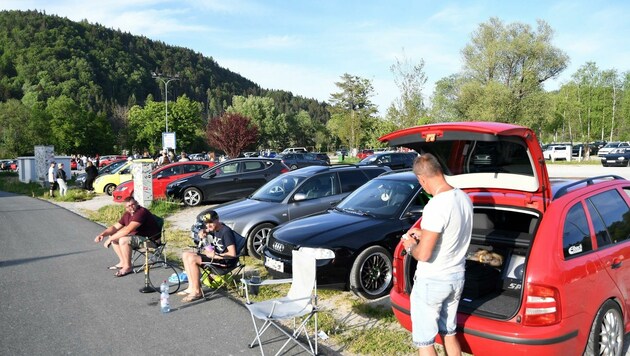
(98, 238)
(107, 243)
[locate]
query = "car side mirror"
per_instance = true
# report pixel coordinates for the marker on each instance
(414, 212)
(299, 196)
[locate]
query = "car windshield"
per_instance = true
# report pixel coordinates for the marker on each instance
(278, 188)
(381, 198)
(369, 159)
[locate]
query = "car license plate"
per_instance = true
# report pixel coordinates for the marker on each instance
(274, 264)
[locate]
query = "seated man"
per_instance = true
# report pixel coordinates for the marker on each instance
(221, 249)
(135, 226)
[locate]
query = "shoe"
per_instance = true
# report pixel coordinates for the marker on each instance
(191, 298)
(122, 273)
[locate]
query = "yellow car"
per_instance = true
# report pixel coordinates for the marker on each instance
(108, 182)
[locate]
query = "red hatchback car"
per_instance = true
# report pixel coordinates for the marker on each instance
(162, 176)
(364, 153)
(557, 282)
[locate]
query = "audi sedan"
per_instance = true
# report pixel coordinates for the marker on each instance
(359, 234)
(232, 179)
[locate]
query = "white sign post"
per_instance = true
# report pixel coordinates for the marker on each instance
(169, 141)
(142, 183)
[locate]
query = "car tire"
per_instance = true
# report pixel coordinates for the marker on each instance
(607, 332)
(257, 239)
(372, 273)
(293, 167)
(109, 189)
(192, 196)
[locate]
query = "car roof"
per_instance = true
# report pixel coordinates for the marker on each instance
(309, 170)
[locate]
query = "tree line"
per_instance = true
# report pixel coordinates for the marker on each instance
(85, 88)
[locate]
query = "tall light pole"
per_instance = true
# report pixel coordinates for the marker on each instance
(165, 79)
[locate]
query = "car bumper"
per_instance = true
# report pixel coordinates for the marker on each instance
(485, 336)
(614, 163)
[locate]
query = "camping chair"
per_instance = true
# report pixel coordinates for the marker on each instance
(222, 275)
(155, 253)
(301, 301)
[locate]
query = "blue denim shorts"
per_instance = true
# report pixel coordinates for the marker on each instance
(434, 304)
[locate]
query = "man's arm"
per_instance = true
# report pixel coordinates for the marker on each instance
(122, 232)
(108, 232)
(420, 245)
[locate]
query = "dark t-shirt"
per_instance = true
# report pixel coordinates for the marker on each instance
(148, 225)
(221, 239)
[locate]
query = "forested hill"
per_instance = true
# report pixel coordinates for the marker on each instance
(46, 56)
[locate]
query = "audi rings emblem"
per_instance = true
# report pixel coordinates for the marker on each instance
(278, 246)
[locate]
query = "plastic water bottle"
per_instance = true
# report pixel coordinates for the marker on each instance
(165, 305)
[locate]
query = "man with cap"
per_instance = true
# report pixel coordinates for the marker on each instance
(221, 246)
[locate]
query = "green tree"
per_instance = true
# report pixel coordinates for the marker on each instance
(408, 109)
(272, 126)
(351, 109)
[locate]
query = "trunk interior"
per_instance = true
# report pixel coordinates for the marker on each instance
(496, 261)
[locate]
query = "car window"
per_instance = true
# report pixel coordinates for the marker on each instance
(189, 168)
(576, 236)
(229, 168)
(253, 166)
(319, 186)
(379, 197)
(278, 188)
(373, 173)
(170, 171)
(351, 180)
(613, 213)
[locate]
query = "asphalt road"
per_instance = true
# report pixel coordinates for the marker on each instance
(57, 296)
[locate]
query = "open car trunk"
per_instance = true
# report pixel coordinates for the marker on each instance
(496, 261)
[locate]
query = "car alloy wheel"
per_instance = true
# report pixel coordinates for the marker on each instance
(258, 239)
(606, 336)
(192, 196)
(371, 274)
(109, 189)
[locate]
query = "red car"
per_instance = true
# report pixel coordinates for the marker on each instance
(73, 164)
(364, 153)
(546, 271)
(162, 176)
(105, 160)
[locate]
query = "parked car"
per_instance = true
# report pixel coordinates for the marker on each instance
(359, 235)
(105, 160)
(555, 152)
(619, 157)
(106, 183)
(560, 284)
(6, 164)
(73, 164)
(610, 146)
(80, 179)
(323, 157)
(580, 150)
(394, 160)
(294, 150)
(229, 180)
(162, 176)
(364, 153)
(299, 160)
(305, 191)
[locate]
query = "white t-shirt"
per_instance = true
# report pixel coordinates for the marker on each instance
(450, 214)
(51, 174)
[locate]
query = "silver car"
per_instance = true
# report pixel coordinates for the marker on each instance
(303, 192)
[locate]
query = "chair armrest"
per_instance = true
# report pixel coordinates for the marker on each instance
(248, 282)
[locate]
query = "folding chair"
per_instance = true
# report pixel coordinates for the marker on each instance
(226, 273)
(155, 253)
(301, 301)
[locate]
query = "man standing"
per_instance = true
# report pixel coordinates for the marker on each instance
(52, 179)
(135, 226)
(440, 246)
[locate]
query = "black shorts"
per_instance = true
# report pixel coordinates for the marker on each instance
(53, 185)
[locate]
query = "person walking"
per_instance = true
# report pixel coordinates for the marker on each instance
(440, 246)
(52, 179)
(61, 181)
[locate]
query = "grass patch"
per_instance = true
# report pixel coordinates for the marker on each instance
(10, 183)
(379, 341)
(379, 312)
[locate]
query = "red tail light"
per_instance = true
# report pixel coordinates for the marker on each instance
(284, 170)
(542, 305)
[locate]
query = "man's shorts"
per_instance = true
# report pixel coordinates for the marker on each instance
(434, 304)
(137, 242)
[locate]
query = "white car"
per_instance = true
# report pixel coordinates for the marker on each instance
(610, 146)
(554, 152)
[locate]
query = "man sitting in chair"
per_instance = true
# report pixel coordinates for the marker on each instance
(221, 249)
(135, 226)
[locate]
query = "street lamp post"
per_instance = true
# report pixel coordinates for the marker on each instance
(165, 79)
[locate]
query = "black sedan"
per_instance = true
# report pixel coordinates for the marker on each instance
(619, 157)
(357, 237)
(300, 160)
(393, 160)
(232, 179)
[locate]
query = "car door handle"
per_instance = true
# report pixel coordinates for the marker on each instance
(616, 262)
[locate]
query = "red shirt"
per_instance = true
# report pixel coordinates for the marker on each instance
(148, 225)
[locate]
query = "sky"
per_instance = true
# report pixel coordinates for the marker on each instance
(306, 46)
